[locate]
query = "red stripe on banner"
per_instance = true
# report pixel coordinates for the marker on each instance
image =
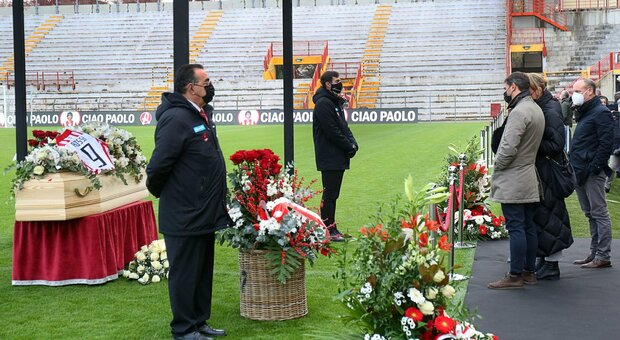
(61, 139)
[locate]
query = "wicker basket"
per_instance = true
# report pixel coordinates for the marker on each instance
(263, 297)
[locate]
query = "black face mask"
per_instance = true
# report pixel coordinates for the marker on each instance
(210, 94)
(337, 88)
(507, 98)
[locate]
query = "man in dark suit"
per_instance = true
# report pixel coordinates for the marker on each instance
(188, 173)
(334, 145)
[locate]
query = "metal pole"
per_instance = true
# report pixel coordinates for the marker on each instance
(5, 108)
(181, 32)
(462, 162)
(287, 46)
(97, 6)
(57, 10)
(450, 215)
(20, 79)
(36, 7)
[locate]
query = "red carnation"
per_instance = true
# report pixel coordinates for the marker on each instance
(497, 222)
(483, 230)
(414, 313)
(444, 324)
(502, 218)
(33, 142)
(472, 166)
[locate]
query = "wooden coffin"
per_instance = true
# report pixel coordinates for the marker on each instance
(67, 195)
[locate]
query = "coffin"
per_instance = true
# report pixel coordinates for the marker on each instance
(67, 195)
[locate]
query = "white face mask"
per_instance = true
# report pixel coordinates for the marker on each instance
(577, 99)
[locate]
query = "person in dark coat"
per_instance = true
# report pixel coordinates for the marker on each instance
(187, 173)
(567, 111)
(589, 153)
(334, 145)
(551, 217)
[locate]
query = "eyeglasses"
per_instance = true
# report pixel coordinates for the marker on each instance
(207, 83)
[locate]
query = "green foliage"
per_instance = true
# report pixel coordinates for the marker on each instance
(125, 310)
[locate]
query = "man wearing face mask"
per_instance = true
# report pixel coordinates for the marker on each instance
(187, 173)
(334, 145)
(589, 153)
(515, 182)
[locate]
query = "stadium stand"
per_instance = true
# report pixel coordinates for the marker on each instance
(448, 58)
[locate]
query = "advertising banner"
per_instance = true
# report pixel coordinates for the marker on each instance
(221, 117)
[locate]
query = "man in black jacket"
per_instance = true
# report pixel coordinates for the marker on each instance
(589, 152)
(334, 145)
(187, 172)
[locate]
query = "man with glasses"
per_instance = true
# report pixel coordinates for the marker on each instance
(334, 145)
(188, 174)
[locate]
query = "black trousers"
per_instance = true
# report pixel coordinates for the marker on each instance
(332, 181)
(190, 280)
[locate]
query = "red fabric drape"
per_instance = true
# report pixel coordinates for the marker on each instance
(88, 250)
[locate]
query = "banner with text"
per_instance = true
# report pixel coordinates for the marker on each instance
(221, 117)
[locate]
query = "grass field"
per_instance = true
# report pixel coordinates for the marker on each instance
(127, 310)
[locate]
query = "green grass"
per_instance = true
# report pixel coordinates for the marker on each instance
(126, 310)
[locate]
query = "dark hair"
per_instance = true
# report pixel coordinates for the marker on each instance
(604, 98)
(186, 74)
(69, 114)
(328, 76)
(617, 96)
(520, 79)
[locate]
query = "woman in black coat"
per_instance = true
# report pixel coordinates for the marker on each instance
(551, 217)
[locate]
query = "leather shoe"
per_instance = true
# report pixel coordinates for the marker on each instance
(207, 330)
(596, 263)
(195, 335)
(588, 259)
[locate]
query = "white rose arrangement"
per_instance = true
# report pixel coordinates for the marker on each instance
(46, 157)
(150, 264)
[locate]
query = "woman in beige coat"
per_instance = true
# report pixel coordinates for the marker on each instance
(515, 182)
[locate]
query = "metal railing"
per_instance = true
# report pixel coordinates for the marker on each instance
(607, 64)
(578, 5)
(599, 70)
(485, 138)
(547, 9)
(346, 70)
(43, 79)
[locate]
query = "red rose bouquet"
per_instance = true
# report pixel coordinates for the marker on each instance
(267, 208)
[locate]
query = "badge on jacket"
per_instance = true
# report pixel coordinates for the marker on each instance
(201, 128)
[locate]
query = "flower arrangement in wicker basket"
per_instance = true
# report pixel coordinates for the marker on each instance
(275, 235)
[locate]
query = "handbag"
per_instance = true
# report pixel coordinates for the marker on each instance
(563, 181)
(496, 136)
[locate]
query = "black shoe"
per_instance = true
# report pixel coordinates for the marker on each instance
(540, 262)
(588, 259)
(335, 235)
(195, 335)
(207, 330)
(549, 271)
